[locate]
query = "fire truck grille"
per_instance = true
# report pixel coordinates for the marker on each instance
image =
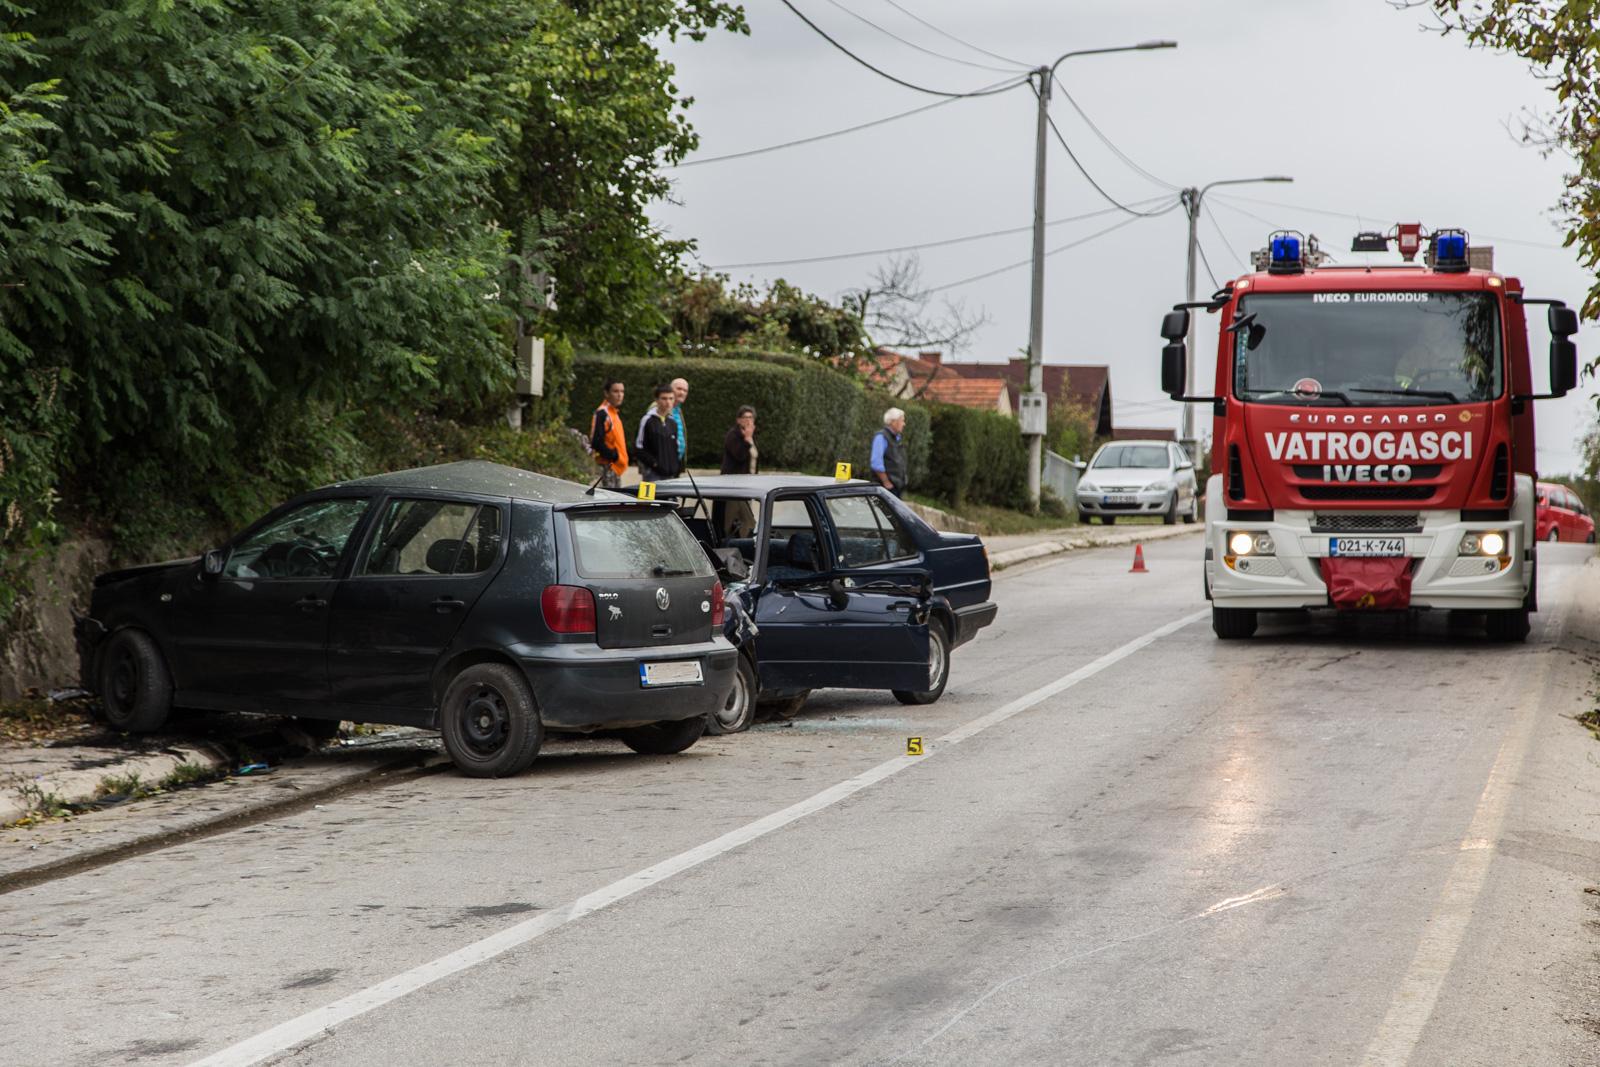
(1367, 492)
(1418, 470)
(1366, 524)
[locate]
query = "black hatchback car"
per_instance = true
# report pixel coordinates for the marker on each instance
(833, 584)
(487, 602)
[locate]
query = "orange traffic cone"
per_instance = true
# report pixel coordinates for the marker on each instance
(1138, 561)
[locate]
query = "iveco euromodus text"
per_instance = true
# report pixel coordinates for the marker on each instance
(1372, 437)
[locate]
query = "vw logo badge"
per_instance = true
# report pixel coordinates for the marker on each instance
(663, 601)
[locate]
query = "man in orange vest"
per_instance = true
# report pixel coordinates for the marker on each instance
(607, 439)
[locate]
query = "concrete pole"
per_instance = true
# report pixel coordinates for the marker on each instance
(1191, 205)
(1036, 312)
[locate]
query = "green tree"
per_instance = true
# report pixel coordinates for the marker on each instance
(1561, 39)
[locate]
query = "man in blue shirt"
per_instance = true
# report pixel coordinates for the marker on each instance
(889, 464)
(680, 393)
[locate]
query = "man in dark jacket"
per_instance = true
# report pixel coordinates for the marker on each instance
(889, 463)
(658, 436)
(739, 447)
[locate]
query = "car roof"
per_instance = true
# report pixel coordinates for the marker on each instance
(747, 485)
(485, 479)
(1133, 441)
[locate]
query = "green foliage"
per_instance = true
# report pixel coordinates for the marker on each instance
(1558, 39)
(1070, 429)
(706, 314)
(978, 457)
(809, 416)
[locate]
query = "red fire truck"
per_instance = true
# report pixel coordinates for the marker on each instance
(1372, 441)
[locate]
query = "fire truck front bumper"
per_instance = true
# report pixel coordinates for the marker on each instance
(1455, 564)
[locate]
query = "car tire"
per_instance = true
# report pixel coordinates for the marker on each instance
(664, 738)
(1555, 535)
(938, 670)
(1108, 520)
(317, 730)
(739, 711)
(1507, 626)
(1170, 516)
(784, 707)
(489, 723)
(1083, 518)
(1233, 624)
(1194, 510)
(1590, 539)
(135, 686)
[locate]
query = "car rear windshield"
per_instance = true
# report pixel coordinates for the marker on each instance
(635, 543)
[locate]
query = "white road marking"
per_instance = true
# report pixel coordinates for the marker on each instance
(1414, 1000)
(303, 1028)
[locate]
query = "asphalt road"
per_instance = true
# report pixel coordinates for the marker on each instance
(1127, 843)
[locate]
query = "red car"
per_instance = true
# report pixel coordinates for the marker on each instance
(1562, 516)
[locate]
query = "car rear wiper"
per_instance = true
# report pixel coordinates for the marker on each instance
(661, 570)
(1439, 394)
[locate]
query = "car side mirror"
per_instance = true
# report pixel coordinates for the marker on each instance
(838, 594)
(1175, 324)
(1563, 366)
(212, 563)
(1186, 466)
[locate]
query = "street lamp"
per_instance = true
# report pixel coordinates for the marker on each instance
(1191, 199)
(1035, 407)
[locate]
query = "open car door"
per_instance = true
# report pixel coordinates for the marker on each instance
(845, 631)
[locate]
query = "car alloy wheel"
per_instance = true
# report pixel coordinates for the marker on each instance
(938, 669)
(739, 709)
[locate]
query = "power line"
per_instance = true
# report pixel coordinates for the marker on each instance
(1218, 227)
(817, 137)
(919, 247)
(1198, 247)
(1112, 145)
(820, 32)
(1360, 219)
(1025, 262)
(1073, 156)
(912, 44)
(951, 37)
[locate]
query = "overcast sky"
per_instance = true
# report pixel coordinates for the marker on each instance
(1371, 115)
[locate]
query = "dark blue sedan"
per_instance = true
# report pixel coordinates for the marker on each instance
(832, 584)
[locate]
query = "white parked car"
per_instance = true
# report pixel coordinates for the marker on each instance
(1139, 478)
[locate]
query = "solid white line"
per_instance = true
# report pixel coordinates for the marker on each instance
(305, 1027)
(1418, 994)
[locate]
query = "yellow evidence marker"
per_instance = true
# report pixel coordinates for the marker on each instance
(647, 490)
(841, 472)
(913, 746)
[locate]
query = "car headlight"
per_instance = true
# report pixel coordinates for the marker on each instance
(1484, 543)
(1088, 487)
(1248, 543)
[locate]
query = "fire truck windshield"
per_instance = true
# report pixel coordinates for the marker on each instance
(1367, 348)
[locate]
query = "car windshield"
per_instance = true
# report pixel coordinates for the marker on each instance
(1153, 457)
(1367, 348)
(635, 543)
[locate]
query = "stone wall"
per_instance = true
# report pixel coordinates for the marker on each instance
(36, 644)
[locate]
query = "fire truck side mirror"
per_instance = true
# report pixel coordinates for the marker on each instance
(1175, 325)
(1174, 370)
(1563, 353)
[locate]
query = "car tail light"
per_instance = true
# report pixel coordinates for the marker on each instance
(568, 609)
(719, 606)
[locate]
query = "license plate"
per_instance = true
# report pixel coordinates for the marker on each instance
(1120, 498)
(679, 672)
(1367, 546)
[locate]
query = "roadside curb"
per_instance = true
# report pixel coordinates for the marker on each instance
(1095, 539)
(396, 770)
(83, 786)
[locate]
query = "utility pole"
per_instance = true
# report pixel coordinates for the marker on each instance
(1192, 200)
(1033, 414)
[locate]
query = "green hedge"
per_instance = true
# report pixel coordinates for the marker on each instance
(809, 416)
(977, 457)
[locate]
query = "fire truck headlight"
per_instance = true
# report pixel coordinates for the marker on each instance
(1264, 545)
(1241, 543)
(1489, 543)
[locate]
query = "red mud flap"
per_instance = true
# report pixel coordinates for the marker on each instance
(1379, 583)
